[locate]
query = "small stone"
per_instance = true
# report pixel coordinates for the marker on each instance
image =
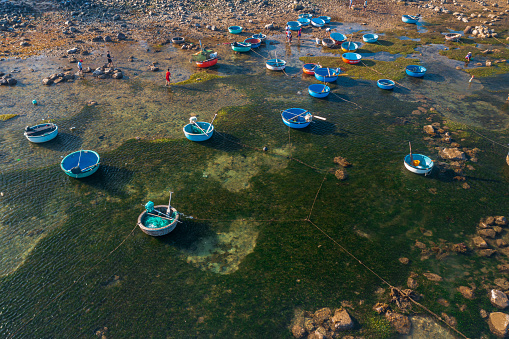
(487, 253)
(490, 221)
(429, 129)
(298, 331)
(443, 302)
(381, 308)
(432, 276)
(452, 154)
(501, 221)
(341, 174)
(499, 299)
(487, 232)
(412, 283)
(483, 313)
(450, 320)
(500, 243)
(479, 242)
(502, 283)
(321, 315)
(420, 245)
(466, 292)
(404, 261)
(342, 161)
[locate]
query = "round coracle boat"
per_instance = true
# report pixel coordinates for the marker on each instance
(156, 225)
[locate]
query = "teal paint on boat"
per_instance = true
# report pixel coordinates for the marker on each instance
(193, 133)
(415, 71)
(80, 164)
(385, 84)
(235, 29)
(370, 38)
(319, 90)
(241, 47)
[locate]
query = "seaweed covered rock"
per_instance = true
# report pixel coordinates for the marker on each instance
(400, 322)
(341, 174)
(342, 161)
(452, 154)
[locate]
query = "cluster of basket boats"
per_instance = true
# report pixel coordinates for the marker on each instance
(161, 219)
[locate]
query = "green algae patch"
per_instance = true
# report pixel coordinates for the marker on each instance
(367, 69)
(198, 77)
(495, 69)
(5, 117)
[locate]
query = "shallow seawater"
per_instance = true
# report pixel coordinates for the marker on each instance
(244, 258)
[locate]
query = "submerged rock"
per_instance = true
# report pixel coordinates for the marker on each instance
(499, 299)
(341, 174)
(499, 324)
(342, 161)
(466, 292)
(432, 276)
(400, 322)
(452, 154)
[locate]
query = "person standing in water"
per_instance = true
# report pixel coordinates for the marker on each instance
(80, 68)
(110, 62)
(168, 75)
(299, 34)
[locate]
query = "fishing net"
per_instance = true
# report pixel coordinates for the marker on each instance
(155, 222)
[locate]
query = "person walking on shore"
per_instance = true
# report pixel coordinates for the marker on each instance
(351, 5)
(290, 38)
(168, 75)
(110, 62)
(365, 5)
(80, 68)
(287, 30)
(299, 34)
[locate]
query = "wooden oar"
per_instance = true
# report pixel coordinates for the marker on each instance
(411, 157)
(169, 204)
(210, 126)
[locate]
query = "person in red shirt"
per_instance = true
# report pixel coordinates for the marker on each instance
(168, 75)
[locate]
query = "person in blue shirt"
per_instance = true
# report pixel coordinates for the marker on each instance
(80, 67)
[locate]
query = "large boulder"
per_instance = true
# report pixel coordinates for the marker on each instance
(499, 299)
(342, 321)
(121, 36)
(501, 221)
(452, 154)
(400, 322)
(499, 324)
(117, 75)
(72, 50)
(107, 38)
(47, 81)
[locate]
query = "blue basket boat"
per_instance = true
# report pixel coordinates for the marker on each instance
(204, 132)
(418, 163)
(296, 117)
(386, 84)
(255, 43)
(275, 64)
(325, 18)
(415, 71)
(305, 16)
(241, 47)
(304, 21)
(293, 25)
(327, 74)
(80, 164)
(235, 29)
(41, 133)
(317, 22)
(319, 90)
(410, 19)
(338, 38)
(370, 38)
(260, 36)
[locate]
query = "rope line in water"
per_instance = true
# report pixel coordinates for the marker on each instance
(493, 141)
(71, 285)
(351, 102)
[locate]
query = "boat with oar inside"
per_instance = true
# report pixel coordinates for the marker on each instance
(325, 74)
(338, 38)
(306, 16)
(370, 38)
(260, 36)
(205, 57)
(80, 164)
(298, 117)
(386, 83)
(351, 58)
(235, 29)
(319, 90)
(410, 19)
(415, 71)
(275, 64)
(255, 42)
(328, 42)
(241, 47)
(309, 68)
(349, 46)
(304, 21)
(41, 133)
(158, 220)
(418, 163)
(325, 18)
(199, 130)
(452, 36)
(317, 22)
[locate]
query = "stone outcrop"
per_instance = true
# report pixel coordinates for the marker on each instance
(466, 292)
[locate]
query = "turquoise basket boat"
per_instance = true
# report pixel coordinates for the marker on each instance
(241, 47)
(304, 21)
(325, 18)
(370, 38)
(305, 16)
(410, 19)
(296, 117)
(294, 25)
(385, 84)
(80, 164)
(235, 29)
(193, 133)
(415, 71)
